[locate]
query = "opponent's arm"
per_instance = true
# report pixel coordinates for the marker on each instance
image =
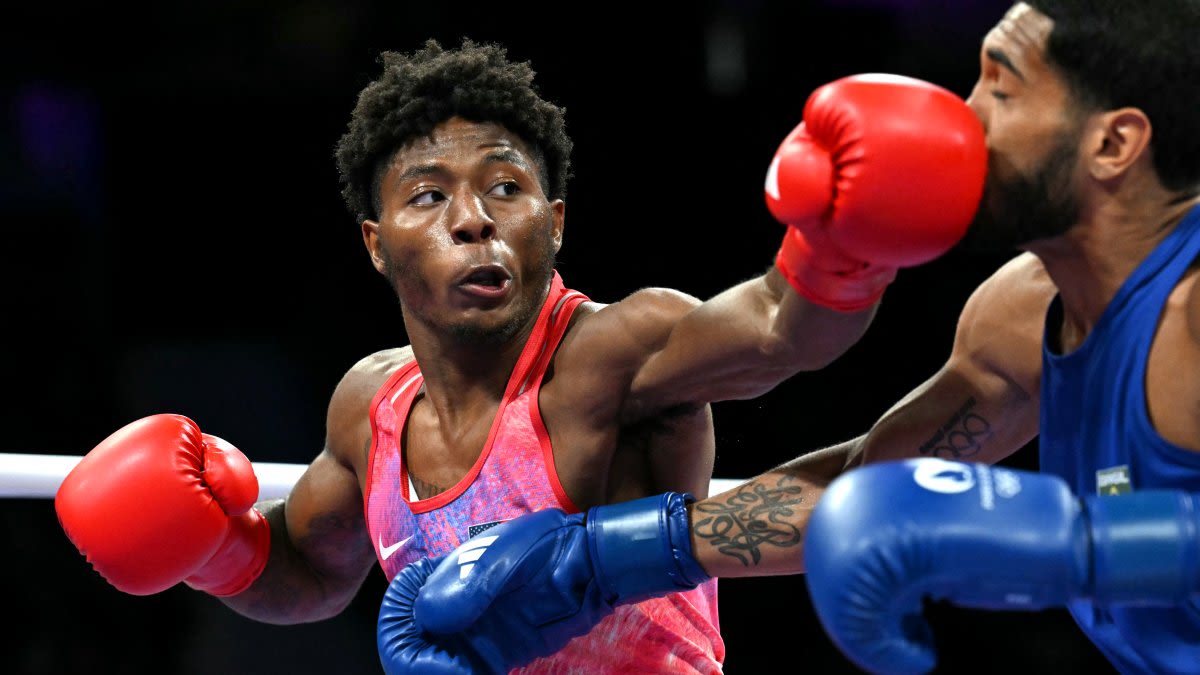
(842, 183)
(523, 589)
(981, 405)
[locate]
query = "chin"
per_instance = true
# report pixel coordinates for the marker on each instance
(487, 333)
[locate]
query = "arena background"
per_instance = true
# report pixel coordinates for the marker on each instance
(174, 241)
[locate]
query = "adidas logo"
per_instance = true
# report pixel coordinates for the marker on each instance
(469, 552)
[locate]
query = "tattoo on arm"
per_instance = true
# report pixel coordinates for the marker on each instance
(755, 516)
(962, 436)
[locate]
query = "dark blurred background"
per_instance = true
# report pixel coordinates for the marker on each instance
(174, 241)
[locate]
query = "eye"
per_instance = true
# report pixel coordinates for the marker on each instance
(506, 189)
(426, 198)
(999, 95)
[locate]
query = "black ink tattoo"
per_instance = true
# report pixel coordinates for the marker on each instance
(962, 436)
(754, 516)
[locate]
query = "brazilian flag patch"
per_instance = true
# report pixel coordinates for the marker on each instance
(1113, 481)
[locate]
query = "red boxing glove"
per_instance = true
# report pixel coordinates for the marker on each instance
(157, 503)
(884, 172)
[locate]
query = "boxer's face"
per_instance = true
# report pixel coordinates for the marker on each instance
(1033, 133)
(466, 235)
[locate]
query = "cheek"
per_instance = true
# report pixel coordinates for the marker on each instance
(406, 240)
(536, 227)
(1011, 153)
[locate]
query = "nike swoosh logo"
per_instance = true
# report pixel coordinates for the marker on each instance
(386, 552)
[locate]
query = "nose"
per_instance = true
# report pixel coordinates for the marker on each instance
(975, 103)
(469, 219)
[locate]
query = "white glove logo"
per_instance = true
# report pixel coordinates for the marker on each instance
(469, 552)
(939, 475)
(772, 184)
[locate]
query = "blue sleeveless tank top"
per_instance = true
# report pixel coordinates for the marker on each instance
(1096, 433)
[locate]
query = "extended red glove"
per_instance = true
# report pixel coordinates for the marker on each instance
(158, 502)
(884, 172)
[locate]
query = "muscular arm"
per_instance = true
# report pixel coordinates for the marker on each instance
(320, 550)
(676, 352)
(981, 406)
(757, 528)
(743, 342)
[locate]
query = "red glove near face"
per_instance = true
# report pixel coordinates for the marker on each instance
(884, 172)
(158, 502)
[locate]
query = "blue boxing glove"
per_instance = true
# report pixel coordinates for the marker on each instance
(885, 536)
(523, 589)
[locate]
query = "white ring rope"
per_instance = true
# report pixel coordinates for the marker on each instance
(38, 476)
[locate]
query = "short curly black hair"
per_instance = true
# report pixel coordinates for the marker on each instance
(418, 91)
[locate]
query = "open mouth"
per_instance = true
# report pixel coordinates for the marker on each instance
(493, 277)
(486, 281)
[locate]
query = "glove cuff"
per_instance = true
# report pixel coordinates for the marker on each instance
(829, 278)
(643, 548)
(1144, 547)
(240, 559)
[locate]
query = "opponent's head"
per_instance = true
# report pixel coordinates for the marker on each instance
(1072, 91)
(453, 162)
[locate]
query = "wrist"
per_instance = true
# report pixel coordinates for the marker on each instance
(240, 558)
(1145, 547)
(828, 278)
(642, 548)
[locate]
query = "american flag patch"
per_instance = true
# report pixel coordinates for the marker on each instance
(473, 530)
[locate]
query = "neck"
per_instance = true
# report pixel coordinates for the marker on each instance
(464, 375)
(1093, 259)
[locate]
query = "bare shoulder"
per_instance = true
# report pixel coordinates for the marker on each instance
(1018, 283)
(369, 373)
(631, 327)
(607, 344)
(1002, 325)
(348, 417)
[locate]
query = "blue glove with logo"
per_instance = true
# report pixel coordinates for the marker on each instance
(885, 536)
(523, 589)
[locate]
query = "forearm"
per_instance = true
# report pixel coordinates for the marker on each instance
(758, 528)
(743, 342)
(290, 590)
(815, 335)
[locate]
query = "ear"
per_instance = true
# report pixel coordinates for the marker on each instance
(559, 209)
(370, 232)
(1118, 139)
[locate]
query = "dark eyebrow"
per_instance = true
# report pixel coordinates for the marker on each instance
(506, 156)
(1002, 58)
(417, 171)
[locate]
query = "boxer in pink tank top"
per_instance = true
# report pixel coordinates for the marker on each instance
(515, 475)
(508, 395)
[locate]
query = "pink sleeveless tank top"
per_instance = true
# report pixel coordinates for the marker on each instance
(515, 474)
